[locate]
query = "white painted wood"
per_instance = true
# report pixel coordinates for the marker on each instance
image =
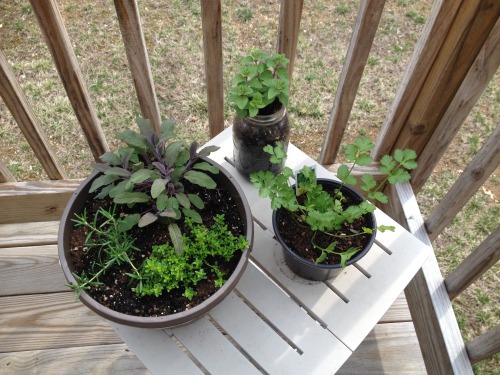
(277, 322)
(212, 348)
(156, 350)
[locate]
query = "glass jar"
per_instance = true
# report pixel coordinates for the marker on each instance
(251, 134)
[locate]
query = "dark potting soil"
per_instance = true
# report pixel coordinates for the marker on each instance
(117, 294)
(299, 237)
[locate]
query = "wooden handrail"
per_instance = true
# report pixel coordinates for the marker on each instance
(477, 172)
(138, 60)
(485, 345)
(357, 55)
(20, 109)
(480, 74)
(472, 267)
(57, 39)
(211, 22)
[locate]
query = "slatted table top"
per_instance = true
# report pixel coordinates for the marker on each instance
(275, 322)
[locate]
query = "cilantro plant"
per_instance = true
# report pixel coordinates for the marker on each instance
(165, 270)
(262, 78)
(325, 213)
(151, 169)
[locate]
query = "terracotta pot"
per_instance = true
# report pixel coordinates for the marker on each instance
(76, 204)
(321, 272)
(251, 134)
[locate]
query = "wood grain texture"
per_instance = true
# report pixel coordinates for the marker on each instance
(388, 349)
(440, 339)
(470, 91)
(485, 345)
(57, 40)
(288, 30)
(359, 48)
(477, 263)
(28, 234)
(138, 60)
(21, 110)
(482, 165)
(24, 202)
(30, 270)
(5, 174)
(49, 321)
(211, 21)
(439, 20)
(78, 360)
(467, 35)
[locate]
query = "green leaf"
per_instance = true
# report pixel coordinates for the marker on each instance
(142, 175)
(128, 197)
(169, 212)
(167, 130)
(344, 175)
(144, 126)
(351, 152)
(117, 171)
(110, 158)
(321, 258)
(241, 101)
(133, 139)
(379, 196)
(146, 219)
(183, 200)
(364, 159)
(196, 201)
(192, 214)
(176, 238)
(128, 222)
(157, 188)
(204, 166)
(200, 178)
(172, 151)
(161, 202)
(369, 182)
(208, 150)
(364, 144)
(346, 255)
(383, 228)
(102, 181)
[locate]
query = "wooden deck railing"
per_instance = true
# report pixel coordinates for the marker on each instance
(455, 58)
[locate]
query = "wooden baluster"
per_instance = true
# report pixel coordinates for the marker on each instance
(5, 175)
(59, 44)
(479, 169)
(18, 105)
(288, 30)
(138, 60)
(485, 345)
(472, 267)
(212, 47)
(357, 55)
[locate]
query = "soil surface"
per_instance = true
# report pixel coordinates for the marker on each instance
(299, 237)
(117, 294)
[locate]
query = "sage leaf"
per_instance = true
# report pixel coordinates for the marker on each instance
(200, 178)
(157, 188)
(102, 181)
(204, 166)
(176, 237)
(146, 219)
(129, 197)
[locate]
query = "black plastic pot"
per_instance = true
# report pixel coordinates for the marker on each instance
(321, 272)
(76, 204)
(251, 134)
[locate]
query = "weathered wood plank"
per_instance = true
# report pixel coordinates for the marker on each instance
(485, 345)
(388, 349)
(439, 21)
(48, 321)
(472, 267)
(138, 60)
(359, 48)
(470, 91)
(28, 234)
(288, 30)
(5, 174)
(21, 110)
(33, 201)
(482, 165)
(211, 21)
(98, 359)
(59, 44)
(467, 35)
(30, 270)
(439, 335)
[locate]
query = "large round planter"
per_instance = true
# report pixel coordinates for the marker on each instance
(251, 134)
(75, 205)
(321, 272)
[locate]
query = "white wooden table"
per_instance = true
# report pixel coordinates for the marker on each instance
(275, 322)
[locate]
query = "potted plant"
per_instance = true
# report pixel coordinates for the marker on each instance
(259, 95)
(325, 225)
(158, 234)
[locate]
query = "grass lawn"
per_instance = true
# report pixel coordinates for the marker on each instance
(173, 35)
